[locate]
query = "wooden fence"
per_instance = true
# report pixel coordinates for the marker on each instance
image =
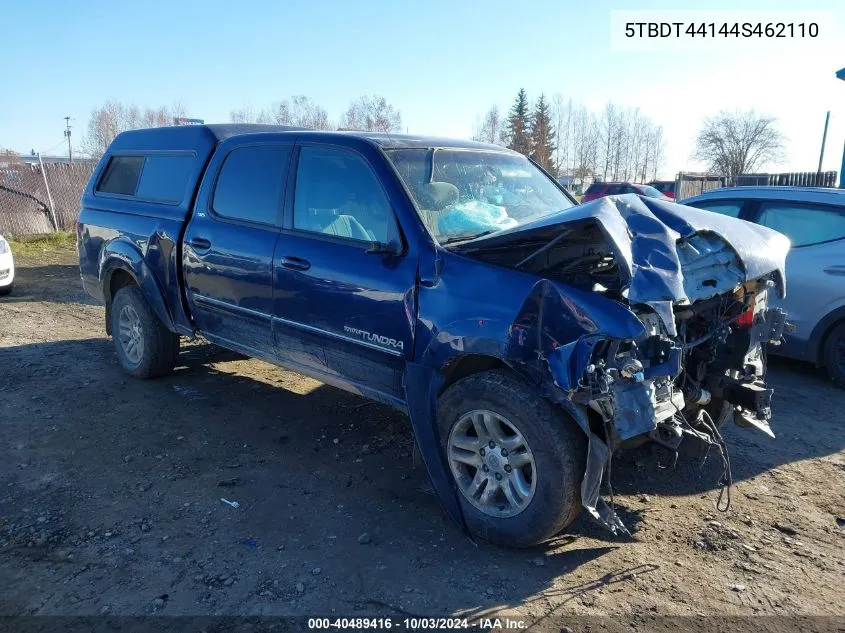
(689, 184)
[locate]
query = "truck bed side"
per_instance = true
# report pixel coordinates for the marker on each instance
(134, 211)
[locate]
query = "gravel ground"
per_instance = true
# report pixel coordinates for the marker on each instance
(112, 495)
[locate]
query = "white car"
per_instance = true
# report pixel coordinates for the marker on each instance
(7, 267)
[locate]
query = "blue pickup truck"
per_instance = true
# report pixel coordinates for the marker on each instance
(526, 337)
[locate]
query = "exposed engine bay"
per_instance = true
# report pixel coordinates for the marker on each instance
(697, 360)
(674, 389)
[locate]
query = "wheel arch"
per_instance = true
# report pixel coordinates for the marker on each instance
(823, 328)
(465, 365)
(121, 265)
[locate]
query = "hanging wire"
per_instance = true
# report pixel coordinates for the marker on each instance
(57, 145)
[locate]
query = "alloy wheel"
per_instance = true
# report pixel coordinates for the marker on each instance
(492, 463)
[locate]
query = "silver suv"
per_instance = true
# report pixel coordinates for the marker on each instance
(814, 221)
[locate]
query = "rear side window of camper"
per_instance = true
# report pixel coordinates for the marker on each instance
(153, 178)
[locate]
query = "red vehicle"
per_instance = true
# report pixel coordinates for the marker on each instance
(602, 189)
(666, 187)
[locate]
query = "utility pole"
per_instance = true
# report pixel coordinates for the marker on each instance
(67, 134)
(824, 140)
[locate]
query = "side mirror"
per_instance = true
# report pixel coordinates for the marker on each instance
(380, 248)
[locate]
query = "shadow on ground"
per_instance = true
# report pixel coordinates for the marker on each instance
(57, 283)
(312, 468)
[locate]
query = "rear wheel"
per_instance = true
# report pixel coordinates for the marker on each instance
(144, 345)
(834, 354)
(517, 460)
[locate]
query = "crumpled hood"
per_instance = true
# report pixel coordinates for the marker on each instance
(644, 233)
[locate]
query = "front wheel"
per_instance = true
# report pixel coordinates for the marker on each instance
(517, 460)
(7, 290)
(144, 345)
(834, 355)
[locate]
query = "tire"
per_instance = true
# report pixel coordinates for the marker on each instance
(7, 290)
(556, 443)
(154, 349)
(834, 355)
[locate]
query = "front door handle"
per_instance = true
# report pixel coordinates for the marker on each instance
(835, 270)
(200, 243)
(296, 263)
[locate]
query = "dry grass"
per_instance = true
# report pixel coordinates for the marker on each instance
(59, 243)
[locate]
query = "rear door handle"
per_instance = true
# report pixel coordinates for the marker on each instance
(200, 243)
(835, 270)
(296, 263)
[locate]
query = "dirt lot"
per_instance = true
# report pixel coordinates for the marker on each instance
(111, 496)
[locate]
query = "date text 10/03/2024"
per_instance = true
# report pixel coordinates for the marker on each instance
(416, 624)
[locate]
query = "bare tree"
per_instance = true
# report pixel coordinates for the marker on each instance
(489, 130)
(631, 144)
(562, 116)
(114, 117)
(586, 141)
(178, 111)
(638, 141)
(733, 143)
(609, 139)
(156, 117)
(621, 143)
(248, 114)
(658, 147)
(105, 123)
(373, 114)
(300, 111)
(132, 117)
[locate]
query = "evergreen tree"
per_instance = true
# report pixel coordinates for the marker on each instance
(519, 120)
(542, 135)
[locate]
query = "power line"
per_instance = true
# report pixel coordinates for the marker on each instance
(57, 145)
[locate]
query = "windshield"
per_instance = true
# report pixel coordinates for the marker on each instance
(463, 194)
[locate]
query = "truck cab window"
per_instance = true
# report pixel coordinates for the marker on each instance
(251, 183)
(338, 194)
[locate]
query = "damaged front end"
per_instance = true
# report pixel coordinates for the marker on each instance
(670, 389)
(649, 323)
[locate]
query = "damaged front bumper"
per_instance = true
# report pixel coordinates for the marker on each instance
(666, 391)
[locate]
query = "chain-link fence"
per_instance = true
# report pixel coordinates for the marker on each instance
(34, 201)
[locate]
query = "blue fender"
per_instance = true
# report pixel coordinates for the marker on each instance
(421, 386)
(122, 254)
(541, 329)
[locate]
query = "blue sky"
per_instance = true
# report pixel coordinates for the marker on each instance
(440, 62)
